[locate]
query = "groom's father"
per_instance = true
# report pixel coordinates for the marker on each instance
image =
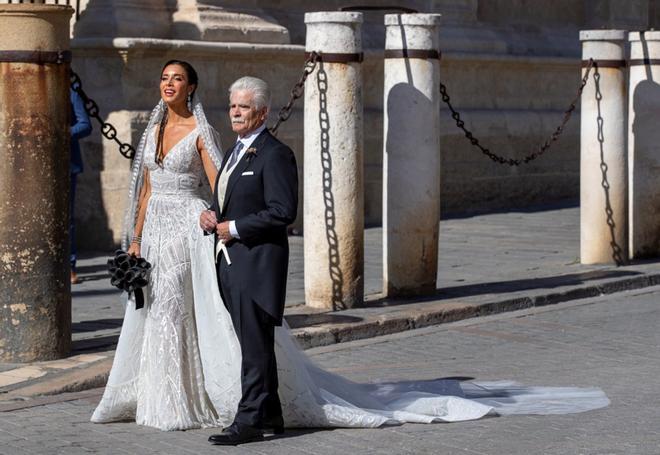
(255, 198)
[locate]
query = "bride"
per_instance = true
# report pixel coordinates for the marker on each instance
(178, 361)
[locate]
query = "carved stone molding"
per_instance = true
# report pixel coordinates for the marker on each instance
(125, 18)
(226, 21)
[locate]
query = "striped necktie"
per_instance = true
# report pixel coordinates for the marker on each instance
(234, 154)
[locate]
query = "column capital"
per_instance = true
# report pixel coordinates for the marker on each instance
(333, 16)
(603, 35)
(412, 31)
(29, 26)
(428, 20)
(334, 32)
(604, 44)
(648, 36)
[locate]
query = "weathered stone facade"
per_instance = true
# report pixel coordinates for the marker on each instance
(511, 67)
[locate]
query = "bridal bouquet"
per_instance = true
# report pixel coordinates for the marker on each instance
(129, 273)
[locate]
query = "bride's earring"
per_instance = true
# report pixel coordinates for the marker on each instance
(189, 102)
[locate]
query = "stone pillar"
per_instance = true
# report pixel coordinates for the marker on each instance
(411, 155)
(123, 18)
(644, 144)
(35, 302)
(603, 160)
(333, 190)
(226, 21)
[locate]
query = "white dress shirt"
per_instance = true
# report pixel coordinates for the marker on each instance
(247, 142)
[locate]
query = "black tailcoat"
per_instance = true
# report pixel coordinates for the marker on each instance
(262, 198)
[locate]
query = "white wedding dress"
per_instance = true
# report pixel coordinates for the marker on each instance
(177, 364)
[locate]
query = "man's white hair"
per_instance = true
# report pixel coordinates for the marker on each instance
(258, 87)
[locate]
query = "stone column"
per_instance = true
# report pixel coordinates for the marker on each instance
(411, 155)
(35, 302)
(644, 144)
(333, 190)
(603, 165)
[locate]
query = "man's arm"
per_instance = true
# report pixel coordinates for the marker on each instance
(280, 179)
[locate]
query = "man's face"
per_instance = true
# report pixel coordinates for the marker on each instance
(245, 117)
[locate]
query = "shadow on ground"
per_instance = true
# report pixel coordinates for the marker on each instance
(91, 345)
(310, 320)
(95, 292)
(506, 287)
(93, 326)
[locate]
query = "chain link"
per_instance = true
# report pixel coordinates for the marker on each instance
(127, 150)
(109, 131)
(297, 91)
(546, 145)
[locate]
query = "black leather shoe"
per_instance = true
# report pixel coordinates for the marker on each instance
(276, 425)
(236, 434)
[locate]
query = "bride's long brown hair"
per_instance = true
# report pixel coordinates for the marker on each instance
(192, 80)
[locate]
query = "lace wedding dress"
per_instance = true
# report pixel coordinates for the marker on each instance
(177, 363)
(157, 376)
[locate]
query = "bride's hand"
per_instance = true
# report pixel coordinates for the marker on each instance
(207, 220)
(134, 249)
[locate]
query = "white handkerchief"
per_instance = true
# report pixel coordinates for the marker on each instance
(248, 173)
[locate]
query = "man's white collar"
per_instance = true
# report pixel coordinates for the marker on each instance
(249, 139)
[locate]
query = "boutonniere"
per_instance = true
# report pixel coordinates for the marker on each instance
(251, 153)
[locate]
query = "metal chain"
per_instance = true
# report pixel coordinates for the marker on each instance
(127, 150)
(546, 145)
(297, 91)
(109, 131)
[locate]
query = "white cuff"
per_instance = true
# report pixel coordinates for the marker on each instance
(232, 229)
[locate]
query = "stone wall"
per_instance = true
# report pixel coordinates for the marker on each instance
(511, 67)
(123, 75)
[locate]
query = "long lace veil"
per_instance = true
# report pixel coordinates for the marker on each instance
(209, 136)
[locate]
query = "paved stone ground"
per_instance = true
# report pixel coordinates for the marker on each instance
(481, 258)
(487, 264)
(611, 342)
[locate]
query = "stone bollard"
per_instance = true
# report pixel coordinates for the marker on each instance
(603, 160)
(643, 144)
(411, 155)
(35, 302)
(333, 175)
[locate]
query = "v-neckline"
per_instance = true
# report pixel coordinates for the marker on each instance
(178, 142)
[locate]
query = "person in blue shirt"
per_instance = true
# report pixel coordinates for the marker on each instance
(80, 127)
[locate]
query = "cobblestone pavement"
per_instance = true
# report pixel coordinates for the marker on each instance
(611, 342)
(502, 248)
(481, 258)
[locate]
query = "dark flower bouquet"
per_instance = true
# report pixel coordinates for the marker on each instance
(129, 273)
